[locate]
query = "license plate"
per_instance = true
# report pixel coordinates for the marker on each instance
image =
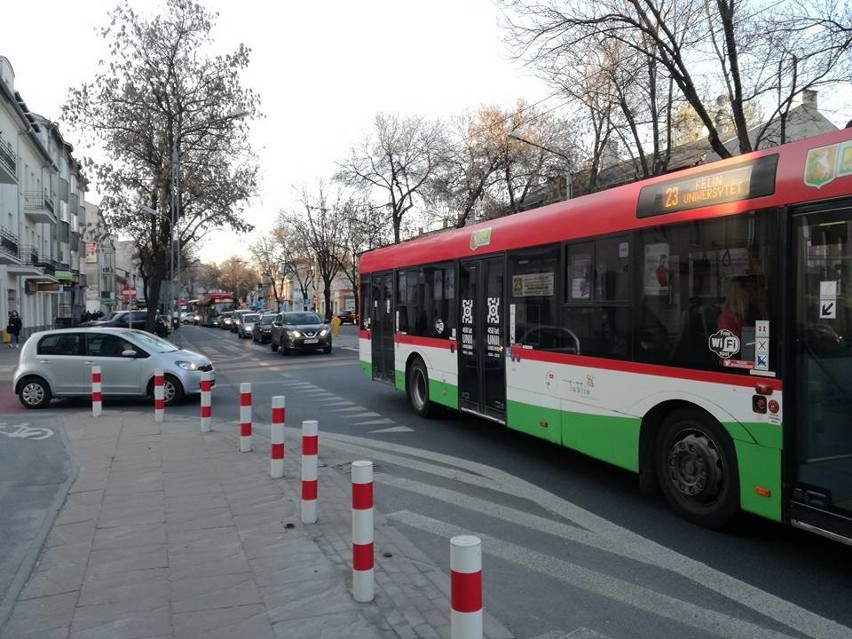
(311, 341)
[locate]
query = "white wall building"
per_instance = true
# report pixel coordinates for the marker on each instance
(41, 190)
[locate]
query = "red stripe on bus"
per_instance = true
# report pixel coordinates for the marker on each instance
(362, 556)
(309, 489)
(310, 444)
(466, 591)
(362, 496)
(434, 342)
(645, 369)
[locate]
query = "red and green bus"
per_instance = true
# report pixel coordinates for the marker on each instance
(210, 306)
(693, 328)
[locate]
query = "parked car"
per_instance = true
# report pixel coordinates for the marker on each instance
(132, 319)
(347, 317)
(263, 328)
(300, 330)
(245, 329)
(57, 363)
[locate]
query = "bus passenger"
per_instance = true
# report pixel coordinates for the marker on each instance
(736, 309)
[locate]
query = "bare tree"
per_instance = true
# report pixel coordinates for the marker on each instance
(393, 164)
(238, 277)
(167, 117)
(744, 41)
(270, 255)
(319, 228)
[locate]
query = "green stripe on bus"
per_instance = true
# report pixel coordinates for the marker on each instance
(760, 467)
(612, 439)
(439, 392)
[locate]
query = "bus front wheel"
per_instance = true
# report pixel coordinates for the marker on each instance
(418, 388)
(697, 468)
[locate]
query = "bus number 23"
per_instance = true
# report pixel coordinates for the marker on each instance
(671, 197)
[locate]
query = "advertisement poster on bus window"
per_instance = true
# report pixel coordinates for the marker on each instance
(658, 265)
(581, 277)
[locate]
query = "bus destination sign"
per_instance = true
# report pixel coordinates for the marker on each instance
(746, 181)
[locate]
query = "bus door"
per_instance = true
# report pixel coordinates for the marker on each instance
(822, 370)
(482, 364)
(382, 326)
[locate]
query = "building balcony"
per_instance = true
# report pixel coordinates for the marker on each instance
(8, 164)
(8, 247)
(39, 208)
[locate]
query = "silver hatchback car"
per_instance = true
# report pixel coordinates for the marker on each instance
(58, 363)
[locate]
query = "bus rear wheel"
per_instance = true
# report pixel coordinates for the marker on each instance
(417, 386)
(697, 468)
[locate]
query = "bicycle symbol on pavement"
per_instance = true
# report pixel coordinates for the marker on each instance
(23, 431)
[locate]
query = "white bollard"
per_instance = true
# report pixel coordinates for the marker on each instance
(310, 449)
(466, 587)
(276, 446)
(159, 395)
(206, 403)
(362, 531)
(245, 417)
(97, 403)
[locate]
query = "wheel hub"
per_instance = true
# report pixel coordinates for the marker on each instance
(695, 467)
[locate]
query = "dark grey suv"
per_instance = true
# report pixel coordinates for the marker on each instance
(300, 331)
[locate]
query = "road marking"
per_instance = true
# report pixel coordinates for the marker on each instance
(394, 429)
(607, 535)
(375, 422)
(619, 590)
(23, 431)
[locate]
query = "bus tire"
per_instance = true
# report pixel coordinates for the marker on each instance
(417, 386)
(697, 468)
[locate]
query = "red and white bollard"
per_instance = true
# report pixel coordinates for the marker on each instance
(97, 404)
(310, 448)
(159, 396)
(466, 587)
(276, 446)
(362, 531)
(245, 417)
(206, 404)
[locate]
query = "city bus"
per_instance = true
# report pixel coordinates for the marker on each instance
(210, 306)
(614, 324)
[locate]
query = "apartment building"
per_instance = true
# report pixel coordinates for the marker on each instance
(42, 190)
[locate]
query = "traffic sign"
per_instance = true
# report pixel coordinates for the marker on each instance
(128, 293)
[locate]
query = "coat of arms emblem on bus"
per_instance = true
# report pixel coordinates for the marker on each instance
(480, 238)
(821, 166)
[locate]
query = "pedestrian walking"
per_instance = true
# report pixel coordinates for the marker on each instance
(14, 329)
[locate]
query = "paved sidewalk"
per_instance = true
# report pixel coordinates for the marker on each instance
(168, 532)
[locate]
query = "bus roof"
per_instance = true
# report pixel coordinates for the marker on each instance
(799, 176)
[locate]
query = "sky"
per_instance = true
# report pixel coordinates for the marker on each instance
(323, 71)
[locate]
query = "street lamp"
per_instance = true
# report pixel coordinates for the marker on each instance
(568, 172)
(175, 244)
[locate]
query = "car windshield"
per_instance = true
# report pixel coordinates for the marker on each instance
(152, 342)
(266, 320)
(251, 317)
(302, 318)
(115, 314)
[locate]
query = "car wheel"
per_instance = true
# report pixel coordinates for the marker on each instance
(172, 390)
(34, 393)
(697, 468)
(418, 388)
(327, 350)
